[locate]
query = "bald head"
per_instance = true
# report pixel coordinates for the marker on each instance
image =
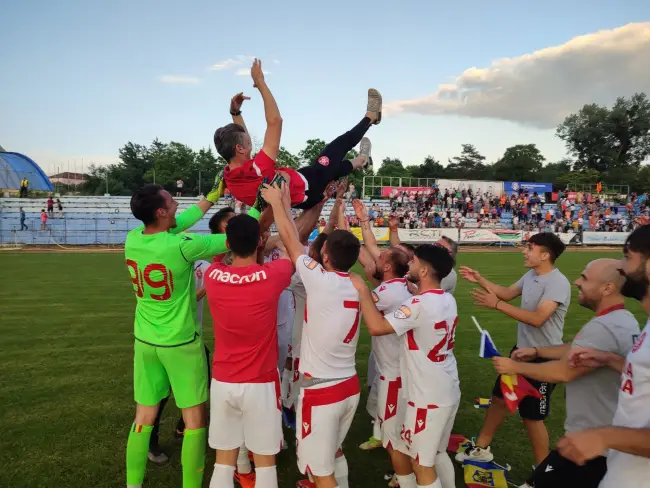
(600, 284)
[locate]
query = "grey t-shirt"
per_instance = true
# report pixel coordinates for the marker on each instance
(534, 289)
(591, 399)
(448, 283)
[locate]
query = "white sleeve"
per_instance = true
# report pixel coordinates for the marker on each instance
(380, 299)
(311, 272)
(405, 317)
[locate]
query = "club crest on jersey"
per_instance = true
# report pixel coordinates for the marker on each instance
(199, 273)
(375, 298)
(403, 312)
(310, 263)
(324, 161)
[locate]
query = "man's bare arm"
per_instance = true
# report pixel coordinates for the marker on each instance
(280, 201)
(369, 241)
(369, 265)
(235, 109)
(271, 145)
(393, 231)
(504, 293)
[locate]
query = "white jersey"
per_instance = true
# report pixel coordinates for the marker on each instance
(427, 363)
(296, 282)
(286, 306)
(331, 322)
(627, 470)
(199, 273)
(388, 297)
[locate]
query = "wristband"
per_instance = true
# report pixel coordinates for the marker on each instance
(496, 305)
(235, 113)
(536, 353)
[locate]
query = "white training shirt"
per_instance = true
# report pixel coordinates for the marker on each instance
(199, 274)
(633, 410)
(427, 323)
(388, 297)
(331, 322)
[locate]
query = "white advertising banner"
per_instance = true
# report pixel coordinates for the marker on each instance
(477, 186)
(605, 238)
(565, 237)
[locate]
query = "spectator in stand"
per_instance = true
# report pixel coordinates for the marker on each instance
(24, 187)
(59, 207)
(22, 219)
(179, 187)
(43, 220)
(50, 207)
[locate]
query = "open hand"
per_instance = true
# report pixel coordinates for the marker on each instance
(329, 190)
(484, 298)
(342, 187)
(257, 74)
(393, 222)
(272, 194)
(360, 210)
(237, 101)
(470, 274)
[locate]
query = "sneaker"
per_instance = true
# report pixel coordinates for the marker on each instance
(364, 150)
(374, 104)
(393, 483)
(475, 453)
(370, 444)
(157, 456)
(245, 480)
(526, 485)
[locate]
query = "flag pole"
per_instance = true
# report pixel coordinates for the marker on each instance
(476, 324)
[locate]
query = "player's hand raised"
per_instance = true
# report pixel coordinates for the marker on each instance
(484, 298)
(330, 190)
(257, 74)
(272, 194)
(470, 274)
(358, 282)
(360, 210)
(341, 188)
(393, 222)
(237, 101)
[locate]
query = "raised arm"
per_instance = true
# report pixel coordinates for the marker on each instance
(273, 133)
(278, 198)
(503, 293)
(369, 240)
(341, 222)
(369, 265)
(394, 233)
(235, 109)
(375, 322)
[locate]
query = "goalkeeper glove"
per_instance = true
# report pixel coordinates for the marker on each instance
(260, 204)
(217, 190)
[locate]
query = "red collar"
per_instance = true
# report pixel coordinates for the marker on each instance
(620, 306)
(345, 275)
(435, 291)
(395, 280)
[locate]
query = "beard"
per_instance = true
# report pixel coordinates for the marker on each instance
(635, 286)
(413, 278)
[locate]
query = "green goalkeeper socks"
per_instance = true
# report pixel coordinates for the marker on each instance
(193, 457)
(136, 453)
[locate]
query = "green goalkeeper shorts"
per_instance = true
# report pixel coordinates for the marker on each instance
(183, 368)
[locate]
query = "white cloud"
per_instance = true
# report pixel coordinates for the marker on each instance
(231, 63)
(541, 88)
(180, 80)
(275, 61)
(247, 72)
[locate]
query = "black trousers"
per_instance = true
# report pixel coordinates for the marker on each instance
(331, 163)
(558, 472)
(180, 426)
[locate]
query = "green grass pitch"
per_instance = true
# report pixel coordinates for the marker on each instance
(66, 401)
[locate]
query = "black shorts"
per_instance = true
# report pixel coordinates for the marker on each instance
(531, 408)
(558, 472)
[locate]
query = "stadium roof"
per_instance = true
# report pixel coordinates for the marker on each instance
(14, 167)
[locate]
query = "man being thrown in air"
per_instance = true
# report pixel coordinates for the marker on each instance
(244, 174)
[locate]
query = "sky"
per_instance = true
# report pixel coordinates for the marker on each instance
(80, 79)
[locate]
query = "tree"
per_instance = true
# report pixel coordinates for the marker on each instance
(430, 168)
(519, 163)
(577, 178)
(392, 167)
(607, 140)
(287, 160)
(469, 165)
(549, 173)
(311, 151)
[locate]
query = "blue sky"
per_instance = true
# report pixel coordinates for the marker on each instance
(82, 78)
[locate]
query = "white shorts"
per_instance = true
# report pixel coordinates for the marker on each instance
(373, 384)
(323, 417)
(391, 407)
(245, 414)
(425, 432)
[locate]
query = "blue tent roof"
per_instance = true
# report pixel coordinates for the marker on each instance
(15, 166)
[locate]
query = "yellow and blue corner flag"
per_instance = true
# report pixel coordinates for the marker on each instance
(479, 475)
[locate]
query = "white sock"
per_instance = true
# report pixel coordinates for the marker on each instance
(243, 463)
(445, 470)
(407, 481)
(341, 471)
(435, 484)
(376, 429)
(266, 477)
(222, 476)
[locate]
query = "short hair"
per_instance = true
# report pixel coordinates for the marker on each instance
(146, 201)
(342, 249)
(399, 260)
(453, 244)
(437, 257)
(243, 234)
(317, 244)
(549, 241)
(639, 241)
(218, 218)
(226, 138)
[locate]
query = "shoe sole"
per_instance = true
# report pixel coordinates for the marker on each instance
(375, 104)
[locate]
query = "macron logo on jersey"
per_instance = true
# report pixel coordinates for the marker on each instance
(235, 279)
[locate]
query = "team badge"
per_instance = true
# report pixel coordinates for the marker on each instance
(403, 312)
(310, 263)
(375, 298)
(324, 160)
(199, 273)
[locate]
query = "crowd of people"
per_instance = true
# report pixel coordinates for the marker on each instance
(282, 304)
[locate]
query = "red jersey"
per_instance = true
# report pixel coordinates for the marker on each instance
(244, 306)
(244, 181)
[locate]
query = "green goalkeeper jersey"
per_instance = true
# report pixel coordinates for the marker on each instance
(162, 273)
